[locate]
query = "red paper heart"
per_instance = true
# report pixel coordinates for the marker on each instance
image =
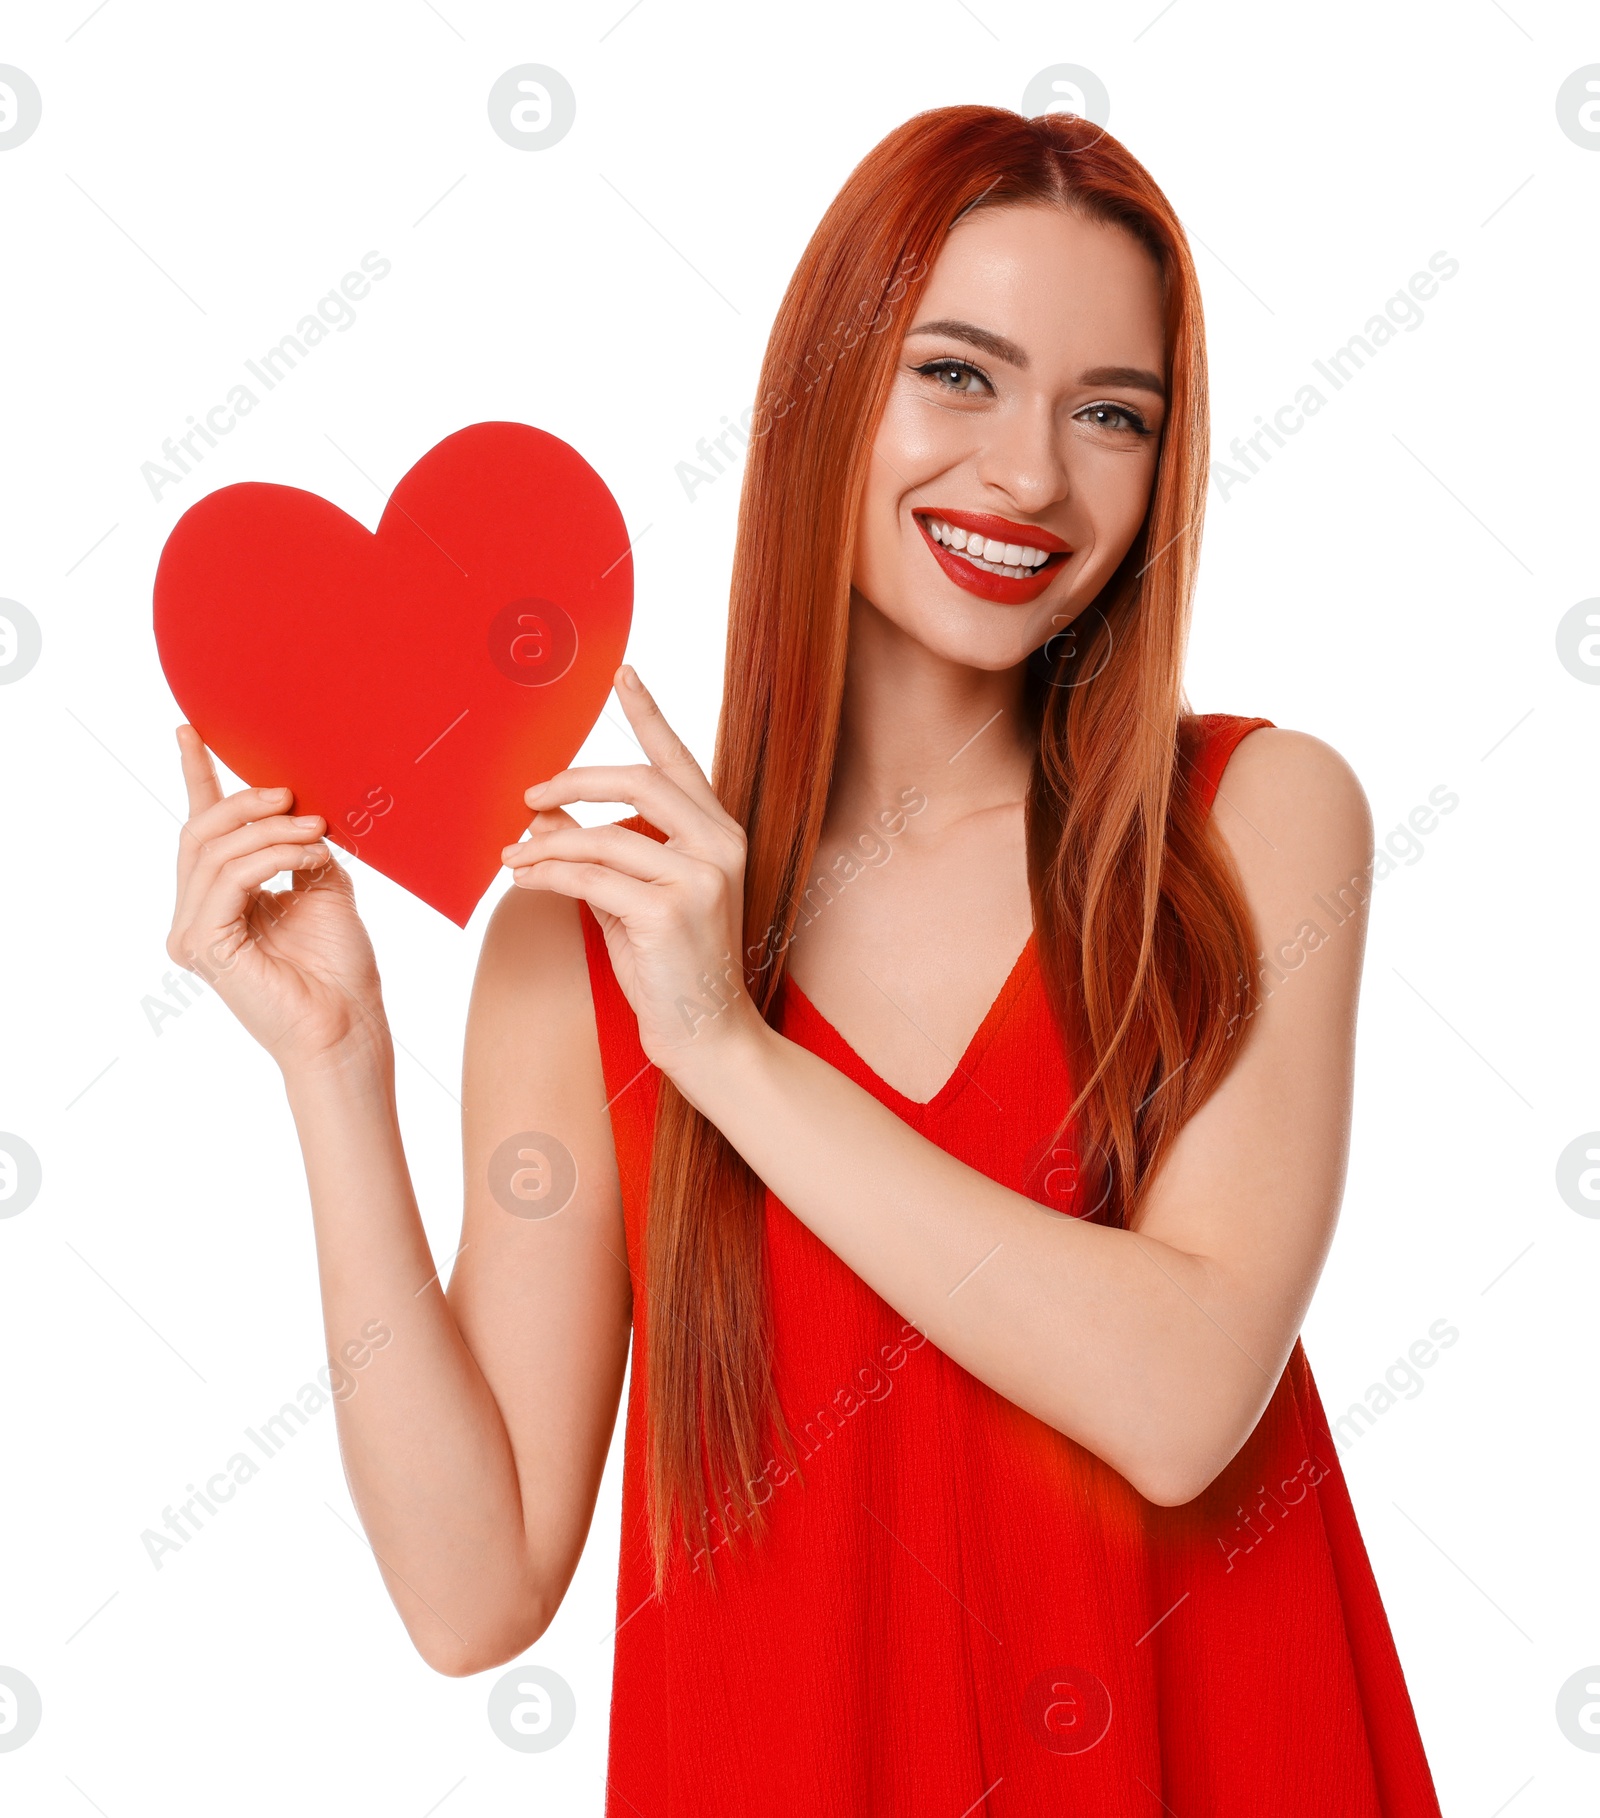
(410, 684)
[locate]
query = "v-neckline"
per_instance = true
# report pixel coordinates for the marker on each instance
(957, 1078)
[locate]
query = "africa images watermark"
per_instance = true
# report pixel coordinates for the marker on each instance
(334, 313)
(776, 403)
(1250, 453)
(1400, 1379)
(872, 1383)
(335, 1381)
(1402, 846)
(866, 851)
(691, 477)
(1264, 1504)
(181, 993)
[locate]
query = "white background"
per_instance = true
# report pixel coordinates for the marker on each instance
(1392, 583)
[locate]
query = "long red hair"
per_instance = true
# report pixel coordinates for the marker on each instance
(1143, 934)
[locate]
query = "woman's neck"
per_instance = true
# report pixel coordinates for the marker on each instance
(914, 719)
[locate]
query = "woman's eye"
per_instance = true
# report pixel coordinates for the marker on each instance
(949, 373)
(1116, 417)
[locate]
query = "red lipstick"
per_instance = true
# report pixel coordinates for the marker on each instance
(1003, 590)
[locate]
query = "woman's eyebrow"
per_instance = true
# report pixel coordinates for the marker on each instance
(1135, 376)
(1001, 348)
(991, 343)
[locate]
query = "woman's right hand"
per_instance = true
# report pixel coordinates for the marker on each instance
(295, 966)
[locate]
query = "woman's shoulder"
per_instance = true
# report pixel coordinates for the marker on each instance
(1279, 763)
(542, 942)
(545, 972)
(1292, 810)
(534, 960)
(1206, 743)
(532, 1058)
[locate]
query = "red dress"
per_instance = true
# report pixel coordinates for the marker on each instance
(962, 1611)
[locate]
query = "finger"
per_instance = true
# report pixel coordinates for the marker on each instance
(545, 818)
(651, 791)
(605, 891)
(205, 857)
(272, 829)
(632, 854)
(207, 805)
(235, 810)
(199, 773)
(214, 935)
(661, 744)
(326, 874)
(222, 817)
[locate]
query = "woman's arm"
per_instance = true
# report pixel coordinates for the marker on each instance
(1156, 1348)
(475, 1439)
(476, 1430)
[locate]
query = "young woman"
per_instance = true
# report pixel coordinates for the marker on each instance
(916, 1098)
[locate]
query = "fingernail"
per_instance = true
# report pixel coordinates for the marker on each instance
(629, 676)
(307, 820)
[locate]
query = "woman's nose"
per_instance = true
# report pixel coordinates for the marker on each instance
(1025, 457)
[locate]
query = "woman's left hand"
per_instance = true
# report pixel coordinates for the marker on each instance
(672, 914)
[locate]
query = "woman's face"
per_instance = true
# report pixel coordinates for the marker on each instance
(1024, 420)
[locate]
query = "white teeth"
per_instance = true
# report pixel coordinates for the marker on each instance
(1016, 560)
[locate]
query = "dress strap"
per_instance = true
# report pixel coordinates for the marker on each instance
(1207, 741)
(621, 1058)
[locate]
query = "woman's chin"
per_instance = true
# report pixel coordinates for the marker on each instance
(992, 638)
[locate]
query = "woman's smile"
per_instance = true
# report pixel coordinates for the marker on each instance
(995, 558)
